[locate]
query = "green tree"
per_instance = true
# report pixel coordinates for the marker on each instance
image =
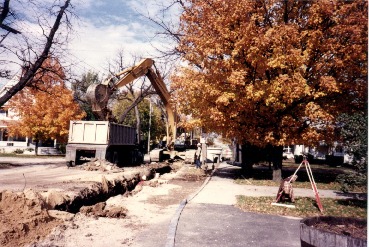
(79, 88)
(354, 132)
(157, 129)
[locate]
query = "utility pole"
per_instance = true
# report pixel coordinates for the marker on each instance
(148, 138)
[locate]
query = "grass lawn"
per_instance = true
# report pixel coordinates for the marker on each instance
(305, 207)
(18, 155)
(28, 156)
(324, 177)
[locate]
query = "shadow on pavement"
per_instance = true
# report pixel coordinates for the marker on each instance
(9, 165)
(229, 171)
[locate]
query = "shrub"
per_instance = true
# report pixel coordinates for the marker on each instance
(18, 151)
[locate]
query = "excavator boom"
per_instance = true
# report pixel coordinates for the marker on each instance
(99, 94)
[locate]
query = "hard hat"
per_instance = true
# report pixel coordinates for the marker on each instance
(198, 144)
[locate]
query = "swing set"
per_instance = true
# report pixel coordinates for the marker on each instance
(312, 182)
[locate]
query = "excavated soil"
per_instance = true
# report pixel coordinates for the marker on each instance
(118, 209)
(24, 218)
(347, 229)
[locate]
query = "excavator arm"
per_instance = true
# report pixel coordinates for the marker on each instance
(99, 94)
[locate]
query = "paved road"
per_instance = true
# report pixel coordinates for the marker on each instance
(50, 173)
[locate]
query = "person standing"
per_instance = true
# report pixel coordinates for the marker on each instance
(198, 156)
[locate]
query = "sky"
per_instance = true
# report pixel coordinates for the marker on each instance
(106, 27)
(101, 28)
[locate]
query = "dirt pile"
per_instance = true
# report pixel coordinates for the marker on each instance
(352, 229)
(101, 210)
(24, 218)
(99, 165)
(46, 217)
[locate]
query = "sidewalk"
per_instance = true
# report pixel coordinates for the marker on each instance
(210, 218)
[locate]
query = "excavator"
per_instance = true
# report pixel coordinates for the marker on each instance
(99, 94)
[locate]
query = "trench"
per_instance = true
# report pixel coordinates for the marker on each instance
(99, 192)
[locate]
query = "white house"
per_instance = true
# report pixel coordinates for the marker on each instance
(8, 143)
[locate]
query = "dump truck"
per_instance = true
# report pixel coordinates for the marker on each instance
(105, 140)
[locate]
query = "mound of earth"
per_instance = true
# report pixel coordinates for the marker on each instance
(28, 218)
(351, 229)
(100, 210)
(99, 165)
(24, 218)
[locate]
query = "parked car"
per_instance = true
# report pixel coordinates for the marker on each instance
(180, 145)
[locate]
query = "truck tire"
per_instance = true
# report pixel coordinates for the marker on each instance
(115, 159)
(70, 163)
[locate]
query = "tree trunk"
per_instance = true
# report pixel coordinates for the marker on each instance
(277, 158)
(247, 159)
(36, 147)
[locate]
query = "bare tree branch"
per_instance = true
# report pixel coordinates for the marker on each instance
(31, 70)
(4, 13)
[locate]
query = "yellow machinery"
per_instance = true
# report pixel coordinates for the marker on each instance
(99, 94)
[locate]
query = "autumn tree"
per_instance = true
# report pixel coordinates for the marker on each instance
(272, 73)
(45, 107)
(24, 48)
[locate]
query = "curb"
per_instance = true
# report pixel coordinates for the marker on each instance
(174, 222)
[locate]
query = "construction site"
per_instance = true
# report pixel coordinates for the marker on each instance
(183, 123)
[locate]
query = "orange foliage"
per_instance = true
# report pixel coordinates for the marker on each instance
(46, 106)
(276, 72)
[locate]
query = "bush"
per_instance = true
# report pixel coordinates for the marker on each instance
(352, 181)
(18, 151)
(62, 148)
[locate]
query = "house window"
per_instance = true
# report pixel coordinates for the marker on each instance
(3, 135)
(3, 112)
(17, 139)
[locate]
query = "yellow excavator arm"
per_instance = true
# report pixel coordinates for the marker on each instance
(99, 94)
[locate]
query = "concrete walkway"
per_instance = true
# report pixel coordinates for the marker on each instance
(210, 218)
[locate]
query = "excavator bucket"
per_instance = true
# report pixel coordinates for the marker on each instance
(98, 95)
